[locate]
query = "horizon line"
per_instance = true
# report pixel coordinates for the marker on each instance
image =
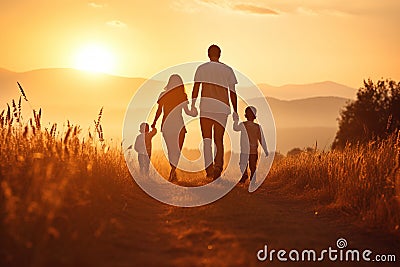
(132, 77)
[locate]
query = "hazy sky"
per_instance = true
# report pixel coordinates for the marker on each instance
(275, 41)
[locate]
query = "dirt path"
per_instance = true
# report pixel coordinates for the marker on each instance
(230, 231)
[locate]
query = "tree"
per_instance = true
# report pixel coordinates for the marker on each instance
(375, 114)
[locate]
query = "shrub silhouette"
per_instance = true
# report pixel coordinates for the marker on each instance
(374, 115)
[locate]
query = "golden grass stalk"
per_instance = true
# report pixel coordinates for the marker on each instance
(360, 179)
(22, 91)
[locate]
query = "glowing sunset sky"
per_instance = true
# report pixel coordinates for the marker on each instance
(274, 42)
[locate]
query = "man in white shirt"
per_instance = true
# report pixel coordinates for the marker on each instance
(217, 82)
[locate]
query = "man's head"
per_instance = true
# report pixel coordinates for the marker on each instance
(250, 113)
(214, 52)
(144, 127)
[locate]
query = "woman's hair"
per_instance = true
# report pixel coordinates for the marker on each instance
(175, 86)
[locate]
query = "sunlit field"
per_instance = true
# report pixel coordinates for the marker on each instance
(359, 180)
(66, 192)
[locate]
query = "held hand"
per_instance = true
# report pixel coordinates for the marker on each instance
(153, 125)
(192, 105)
(235, 116)
(193, 111)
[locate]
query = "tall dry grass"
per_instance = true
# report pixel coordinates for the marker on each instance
(56, 186)
(360, 180)
(63, 189)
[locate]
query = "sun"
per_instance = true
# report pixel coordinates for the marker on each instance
(95, 58)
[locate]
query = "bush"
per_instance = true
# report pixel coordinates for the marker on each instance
(374, 115)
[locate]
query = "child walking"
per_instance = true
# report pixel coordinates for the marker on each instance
(250, 135)
(143, 147)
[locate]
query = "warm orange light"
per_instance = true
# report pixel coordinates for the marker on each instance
(95, 58)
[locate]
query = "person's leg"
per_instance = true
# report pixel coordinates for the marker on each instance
(253, 158)
(139, 159)
(141, 163)
(146, 164)
(177, 154)
(219, 130)
(173, 149)
(171, 142)
(206, 132)
(172, 174)
(181, 140)
(244, 158)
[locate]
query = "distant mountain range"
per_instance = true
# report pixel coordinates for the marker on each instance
(298, 91)
(305, 122)
(303, 113)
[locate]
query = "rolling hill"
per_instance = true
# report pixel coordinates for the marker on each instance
(298, 91)
(305, 122)
(67, 94)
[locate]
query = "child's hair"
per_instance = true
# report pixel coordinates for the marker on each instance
(144, 127)
(250, 113)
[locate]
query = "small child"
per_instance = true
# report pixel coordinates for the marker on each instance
(143, 147)
(250, 135)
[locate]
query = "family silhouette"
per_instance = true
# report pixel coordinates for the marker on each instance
(217, 83)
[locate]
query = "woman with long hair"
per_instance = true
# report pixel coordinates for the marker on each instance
(171, 102)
